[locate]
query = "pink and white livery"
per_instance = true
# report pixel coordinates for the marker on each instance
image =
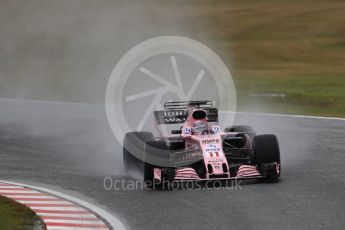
(199, 150)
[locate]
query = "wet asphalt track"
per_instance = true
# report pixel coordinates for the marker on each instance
(70, 148)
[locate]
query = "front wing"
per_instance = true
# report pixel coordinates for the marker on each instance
(244, 172)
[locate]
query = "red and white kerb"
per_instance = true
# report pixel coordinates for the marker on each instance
(56, 212)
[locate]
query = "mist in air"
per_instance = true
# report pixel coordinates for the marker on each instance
(65, 51)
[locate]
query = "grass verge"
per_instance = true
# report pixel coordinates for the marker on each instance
(15, 216)
(295, 48)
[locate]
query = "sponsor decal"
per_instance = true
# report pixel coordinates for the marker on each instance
(174, 120)
(212, 148)
(209, 141)
(187, 130)
(215, 128)
(175, 113)
(215, 162)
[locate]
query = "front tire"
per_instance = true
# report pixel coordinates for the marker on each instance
(157, 155)
(266, 153)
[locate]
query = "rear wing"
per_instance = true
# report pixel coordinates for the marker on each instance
(177, 111)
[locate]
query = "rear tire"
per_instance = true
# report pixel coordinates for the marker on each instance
(133, 148)
(266, 150)
(239, 128)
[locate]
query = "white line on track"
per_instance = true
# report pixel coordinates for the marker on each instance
(74, 228)
(73, 221)
(69, 215)
(286, 115)
(21, 197)
(28, 202)
(22, 193)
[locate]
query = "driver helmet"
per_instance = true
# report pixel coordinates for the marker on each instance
(199, 127)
